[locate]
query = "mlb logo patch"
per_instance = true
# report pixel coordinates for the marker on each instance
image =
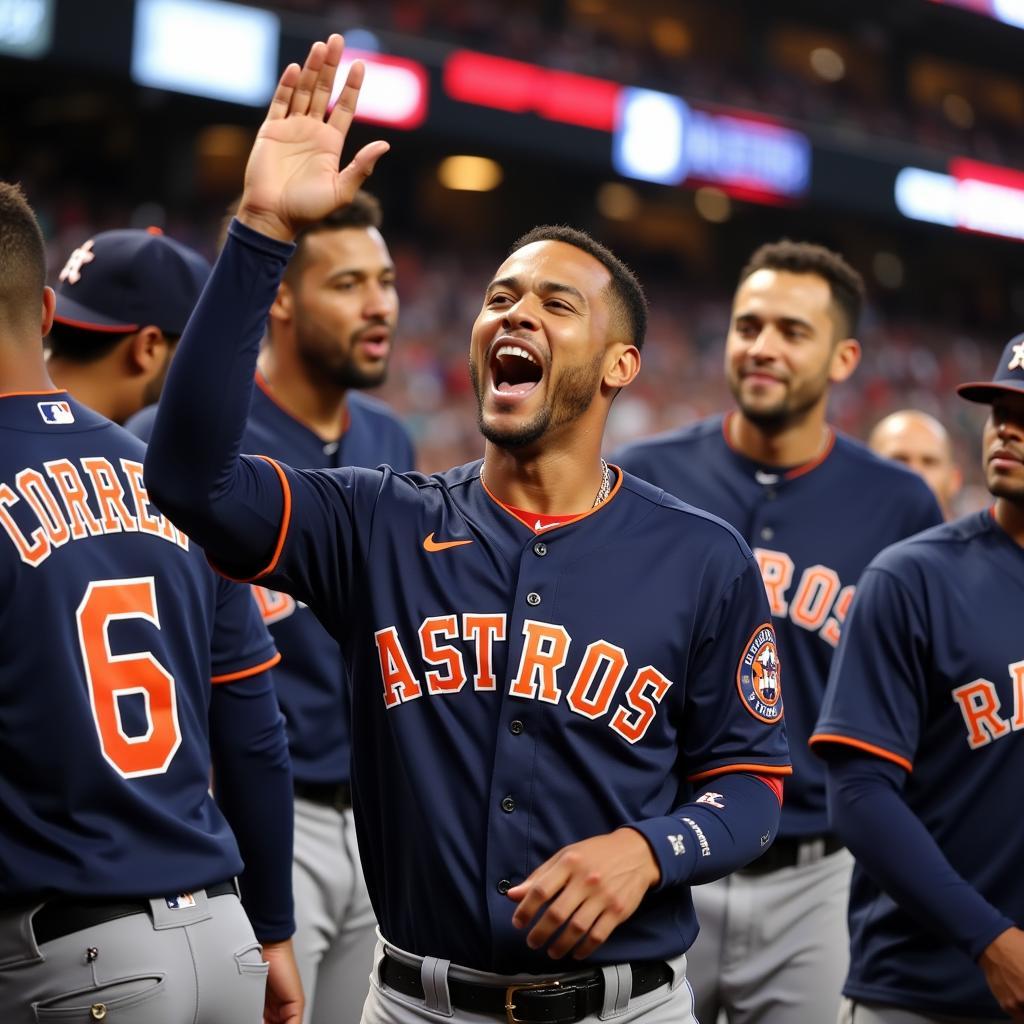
(56, 413)
(182, 901)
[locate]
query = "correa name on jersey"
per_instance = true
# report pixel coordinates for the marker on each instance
(105, 676)
(812, 528)
(45, 506)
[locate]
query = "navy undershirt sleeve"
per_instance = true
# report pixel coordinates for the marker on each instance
(707, 839)
(253, 787)
(868, 813)
(231, 506)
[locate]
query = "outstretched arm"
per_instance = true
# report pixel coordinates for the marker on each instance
(234, 506)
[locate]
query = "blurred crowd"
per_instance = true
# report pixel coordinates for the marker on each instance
(867, 80)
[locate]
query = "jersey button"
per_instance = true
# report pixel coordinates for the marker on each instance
(767, 533)
(533, 599)
(515, 727)
(508, 805)
(504, 885)
(540, 549)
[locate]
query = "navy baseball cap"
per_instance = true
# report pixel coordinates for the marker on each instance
(1008, 378)
(122, 281)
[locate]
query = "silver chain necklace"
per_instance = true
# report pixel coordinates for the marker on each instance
(606, 484)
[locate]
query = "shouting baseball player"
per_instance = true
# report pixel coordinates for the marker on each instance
(328, 335)
(117, 896)
(921, 728)
(815, 507)
(566, 699)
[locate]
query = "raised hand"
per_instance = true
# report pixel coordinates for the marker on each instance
(292, 177)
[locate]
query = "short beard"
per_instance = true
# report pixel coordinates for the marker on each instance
(576, 389)
(789, 411)
(1013, 493)
(345, 376)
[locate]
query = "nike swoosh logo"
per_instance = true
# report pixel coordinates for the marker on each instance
(429, 544)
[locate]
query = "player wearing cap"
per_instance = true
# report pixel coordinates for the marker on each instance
(328, 335)
(123, 299)
(117, 891)
(816, 507)
(566, 692)
(922, 729)
(922, 444)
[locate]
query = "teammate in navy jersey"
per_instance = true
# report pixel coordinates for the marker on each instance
(328, 334)
(816, 507)
(116, 865)
(540, 769)
(123, 298)
(921, 728)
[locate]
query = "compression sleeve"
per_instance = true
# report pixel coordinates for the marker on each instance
(231, 506)
(865, 803)
(253, 787)
(730, 823)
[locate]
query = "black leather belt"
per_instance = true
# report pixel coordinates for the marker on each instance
(64, 915)
(328, 794)
(560, 1001)
(789, 851)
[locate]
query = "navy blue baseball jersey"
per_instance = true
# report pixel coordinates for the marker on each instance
(105, 672)
(509, 698)
(311, 680)
(510, 705)
(813, 529)
(930, 676)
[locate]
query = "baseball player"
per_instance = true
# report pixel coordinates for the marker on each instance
(539, 770)
(328, 335)
(117, 891)
(920, 729)
(815, 507)
(123, 298)
(922, 444)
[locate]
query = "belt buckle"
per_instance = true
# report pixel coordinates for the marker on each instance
(512, 989)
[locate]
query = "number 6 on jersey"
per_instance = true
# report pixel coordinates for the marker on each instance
(112, 676)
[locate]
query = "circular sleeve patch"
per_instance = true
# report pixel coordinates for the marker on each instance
(759, 675)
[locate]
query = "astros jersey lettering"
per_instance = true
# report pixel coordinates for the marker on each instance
(509, 702)
(813, 528)
(930, 676)
(105, 679)
(311, 678)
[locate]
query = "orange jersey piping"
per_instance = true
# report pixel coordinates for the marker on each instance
(244, 673)
(870, 748)
(286, 515)
(30, 394)
(750, 769)
(796, 471)
(264, 385)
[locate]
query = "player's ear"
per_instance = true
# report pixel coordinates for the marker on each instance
(147, 351)
(284, 303)
(622, 364)
(49, 306)
(845, 359)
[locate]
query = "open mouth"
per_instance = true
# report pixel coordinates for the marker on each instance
(514, 370)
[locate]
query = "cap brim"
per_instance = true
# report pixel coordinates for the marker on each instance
(987, 392)
(74, 314)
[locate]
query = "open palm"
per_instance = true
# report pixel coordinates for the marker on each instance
(292, 177)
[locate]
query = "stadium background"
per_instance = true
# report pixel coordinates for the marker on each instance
(682, 132)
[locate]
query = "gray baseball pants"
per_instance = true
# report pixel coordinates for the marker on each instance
(852, 1012)
(773, 948)
(670, 1004)
(335, 929)
(197, 965)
